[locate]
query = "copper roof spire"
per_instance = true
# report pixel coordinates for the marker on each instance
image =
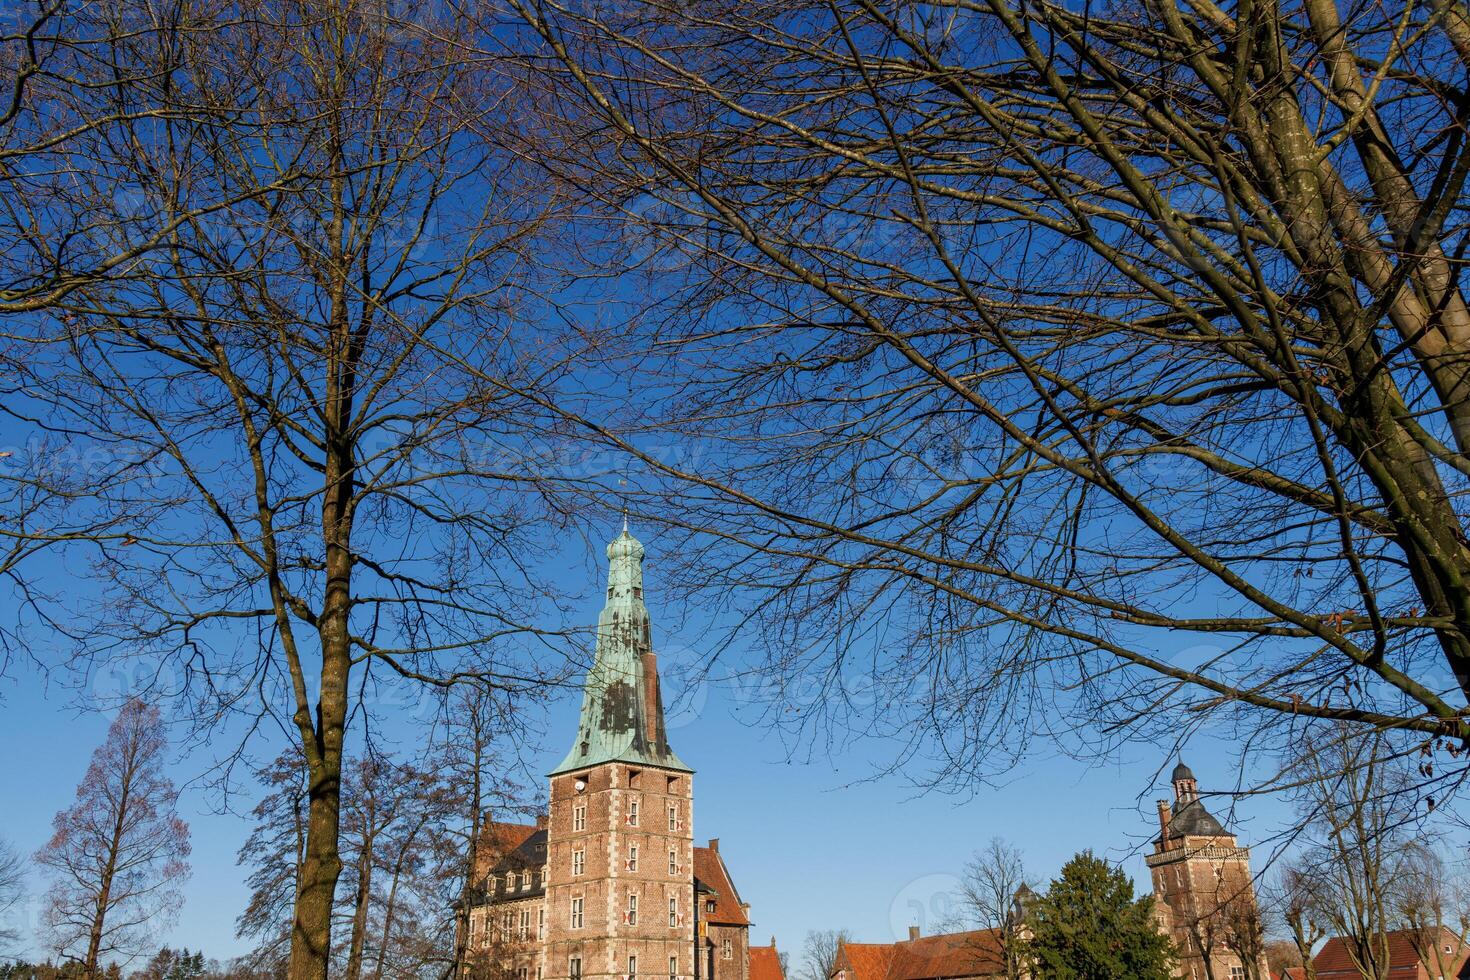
(622, 712)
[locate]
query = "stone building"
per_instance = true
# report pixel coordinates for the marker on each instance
(609, 884)
(1202, 882)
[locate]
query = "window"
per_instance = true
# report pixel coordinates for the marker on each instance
(673, 968)
(673, 817)
(673, 861)
(1237, 973)
(673, 784)
(574, 968)
(632, 813)
(579, 861)
(635, 777)
(576, 913)
(505, 926)
(538, 971)
(727, 950)
(579, 820)
(540, 927)
(632, 968)
(632, 910)
(525, 880)
(710, 906)
(525, 926)
(673, 912)
(632, 857)
(521, 973)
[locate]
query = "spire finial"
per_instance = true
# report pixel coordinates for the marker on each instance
(625, 518)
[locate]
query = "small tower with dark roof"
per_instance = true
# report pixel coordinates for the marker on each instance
(1202, 882)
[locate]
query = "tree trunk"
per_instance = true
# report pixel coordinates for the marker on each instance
(360, 908)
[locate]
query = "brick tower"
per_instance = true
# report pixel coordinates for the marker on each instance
(1206, 900)
(619, 878)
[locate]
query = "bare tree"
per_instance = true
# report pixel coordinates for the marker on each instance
(273, 852)
(1434, 905)
(994, 884)
(118, 856)
(1361, 843)
(12, 894)
(334, 489)
(819, 953)
(1282, 955)
(1022, 326)
(475, 786)
(1294, 898)
(1243, 932)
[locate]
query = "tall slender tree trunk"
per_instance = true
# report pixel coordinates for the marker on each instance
(109, 872)
(360, 908)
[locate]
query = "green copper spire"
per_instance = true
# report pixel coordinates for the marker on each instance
(622, 713)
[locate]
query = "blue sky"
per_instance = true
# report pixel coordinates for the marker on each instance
(813, 841)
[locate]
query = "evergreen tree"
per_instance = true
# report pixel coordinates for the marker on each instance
(1088, 926)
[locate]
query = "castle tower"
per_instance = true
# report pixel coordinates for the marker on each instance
(1202, 883)
(619, 879)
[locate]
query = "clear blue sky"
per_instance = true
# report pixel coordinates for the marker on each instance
(813, 844)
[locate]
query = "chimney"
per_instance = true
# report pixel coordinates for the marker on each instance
(773, 942)
(1163, 818)
(913, 933)
(714, 844)
(540, 821)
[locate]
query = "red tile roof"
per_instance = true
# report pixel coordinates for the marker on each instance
(1293, 973)
(863, 961)
(956, 954)
(765, 963)
(709, 868)
(499, 839)
(1335, 963)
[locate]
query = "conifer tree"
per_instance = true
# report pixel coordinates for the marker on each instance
(1088, 926)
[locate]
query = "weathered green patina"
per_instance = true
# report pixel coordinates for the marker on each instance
(622, 711)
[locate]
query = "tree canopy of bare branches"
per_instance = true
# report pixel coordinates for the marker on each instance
(318, 473)
(1058, 339)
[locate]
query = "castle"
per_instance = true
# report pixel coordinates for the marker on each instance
(609, 884)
